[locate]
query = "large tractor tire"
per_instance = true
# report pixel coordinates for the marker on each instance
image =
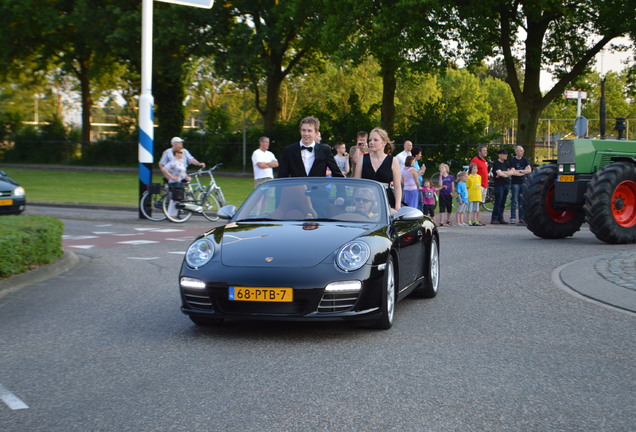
(610, 203)
(543, 217)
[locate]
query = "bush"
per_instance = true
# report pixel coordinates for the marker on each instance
(27, 242)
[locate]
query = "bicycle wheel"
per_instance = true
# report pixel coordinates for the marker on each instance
(489, 202)
(210, 206)
(220, 197)
(151, 206)
(178, 215)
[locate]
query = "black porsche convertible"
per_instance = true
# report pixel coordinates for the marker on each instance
(311, 249)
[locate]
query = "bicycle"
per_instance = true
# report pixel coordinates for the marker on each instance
(489, 202)
(151, 203)
(199, 198)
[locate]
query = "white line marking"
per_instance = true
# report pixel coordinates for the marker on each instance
(82, 246)
(144, 229)
(102, 232)
(178, 239)
(103, 225)
(127, 235)
(11, 400)
(137, 242)
(73, 237)
(143, 258)
(178, 252)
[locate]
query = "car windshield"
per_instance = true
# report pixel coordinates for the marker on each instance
(316, 198)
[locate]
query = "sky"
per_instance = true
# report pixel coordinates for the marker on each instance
(605, 62)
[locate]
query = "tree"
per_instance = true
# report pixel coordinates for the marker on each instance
(262, 42)
(67, 34)
(557, 36)
(402, 35)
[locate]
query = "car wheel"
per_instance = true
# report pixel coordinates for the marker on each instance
(206, 322)
(430, 284)
(388, 297)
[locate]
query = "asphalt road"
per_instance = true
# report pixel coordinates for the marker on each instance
(503, 347)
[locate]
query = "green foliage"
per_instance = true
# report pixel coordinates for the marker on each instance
(28, 241)
(445, 131)
(49, 144)
(110, 153)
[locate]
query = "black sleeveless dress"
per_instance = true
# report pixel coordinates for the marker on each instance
(384, 174)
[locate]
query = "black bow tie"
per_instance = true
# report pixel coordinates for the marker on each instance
(307, 148)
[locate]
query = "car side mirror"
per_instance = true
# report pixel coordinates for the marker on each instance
(227, 212)
(408, 214)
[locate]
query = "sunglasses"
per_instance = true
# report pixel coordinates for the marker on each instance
(362, 200)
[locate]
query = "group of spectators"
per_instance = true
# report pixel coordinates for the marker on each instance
(403, 174)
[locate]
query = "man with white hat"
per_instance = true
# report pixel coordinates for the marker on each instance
(168, 156)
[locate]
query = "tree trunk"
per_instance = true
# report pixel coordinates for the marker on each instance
(389, 83)
(87, 103)
(272, 102)
(169, 94)
(528, 116)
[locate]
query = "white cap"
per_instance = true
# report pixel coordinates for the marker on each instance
(175, 139)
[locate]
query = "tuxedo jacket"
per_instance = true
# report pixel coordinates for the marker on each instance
(291, 163)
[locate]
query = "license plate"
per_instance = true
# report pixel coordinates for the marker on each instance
(260, 294)
(566, 178)
(6, 202)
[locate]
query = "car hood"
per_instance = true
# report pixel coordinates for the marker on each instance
(6, 184)
(284, 244)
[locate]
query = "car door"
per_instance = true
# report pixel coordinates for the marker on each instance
(409, 239)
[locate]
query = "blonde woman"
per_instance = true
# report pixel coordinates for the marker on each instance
(380, 166)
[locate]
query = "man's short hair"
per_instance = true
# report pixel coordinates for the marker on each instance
(312, 121)
(263, 138)
(363, 134)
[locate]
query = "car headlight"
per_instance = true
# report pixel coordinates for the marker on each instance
(19, 191)
(353, 255)
(199, 253)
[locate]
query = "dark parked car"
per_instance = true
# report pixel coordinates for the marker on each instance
(12, 196)
(311, 249)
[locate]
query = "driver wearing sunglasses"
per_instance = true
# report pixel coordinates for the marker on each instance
(363, 200)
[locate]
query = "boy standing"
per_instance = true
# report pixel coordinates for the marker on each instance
(462, 197)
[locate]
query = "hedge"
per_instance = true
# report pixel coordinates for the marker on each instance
(27, 242)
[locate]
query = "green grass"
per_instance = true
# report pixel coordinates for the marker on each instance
(105, 188)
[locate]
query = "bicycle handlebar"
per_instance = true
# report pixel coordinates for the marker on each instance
(209, 171)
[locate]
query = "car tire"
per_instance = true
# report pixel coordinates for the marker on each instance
(430, 284)
(610, 203)
(388, 297)
(206, 322)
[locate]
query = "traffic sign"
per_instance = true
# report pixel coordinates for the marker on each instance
(196, 3)
(575, 94)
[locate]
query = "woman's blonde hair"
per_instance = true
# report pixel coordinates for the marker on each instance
(384, 136)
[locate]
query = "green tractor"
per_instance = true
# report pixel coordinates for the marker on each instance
(592, 180)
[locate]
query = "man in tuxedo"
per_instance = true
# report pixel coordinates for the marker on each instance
(308, 158)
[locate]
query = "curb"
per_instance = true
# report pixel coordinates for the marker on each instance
(581, 277)
(39, 274)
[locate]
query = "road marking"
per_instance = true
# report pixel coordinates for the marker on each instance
(82, 246)
(179, 239)
(103, 225)
(143, 258)
(102, 232)
(11, 400)
(178, 252)
(73, 237)
(137, 242)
